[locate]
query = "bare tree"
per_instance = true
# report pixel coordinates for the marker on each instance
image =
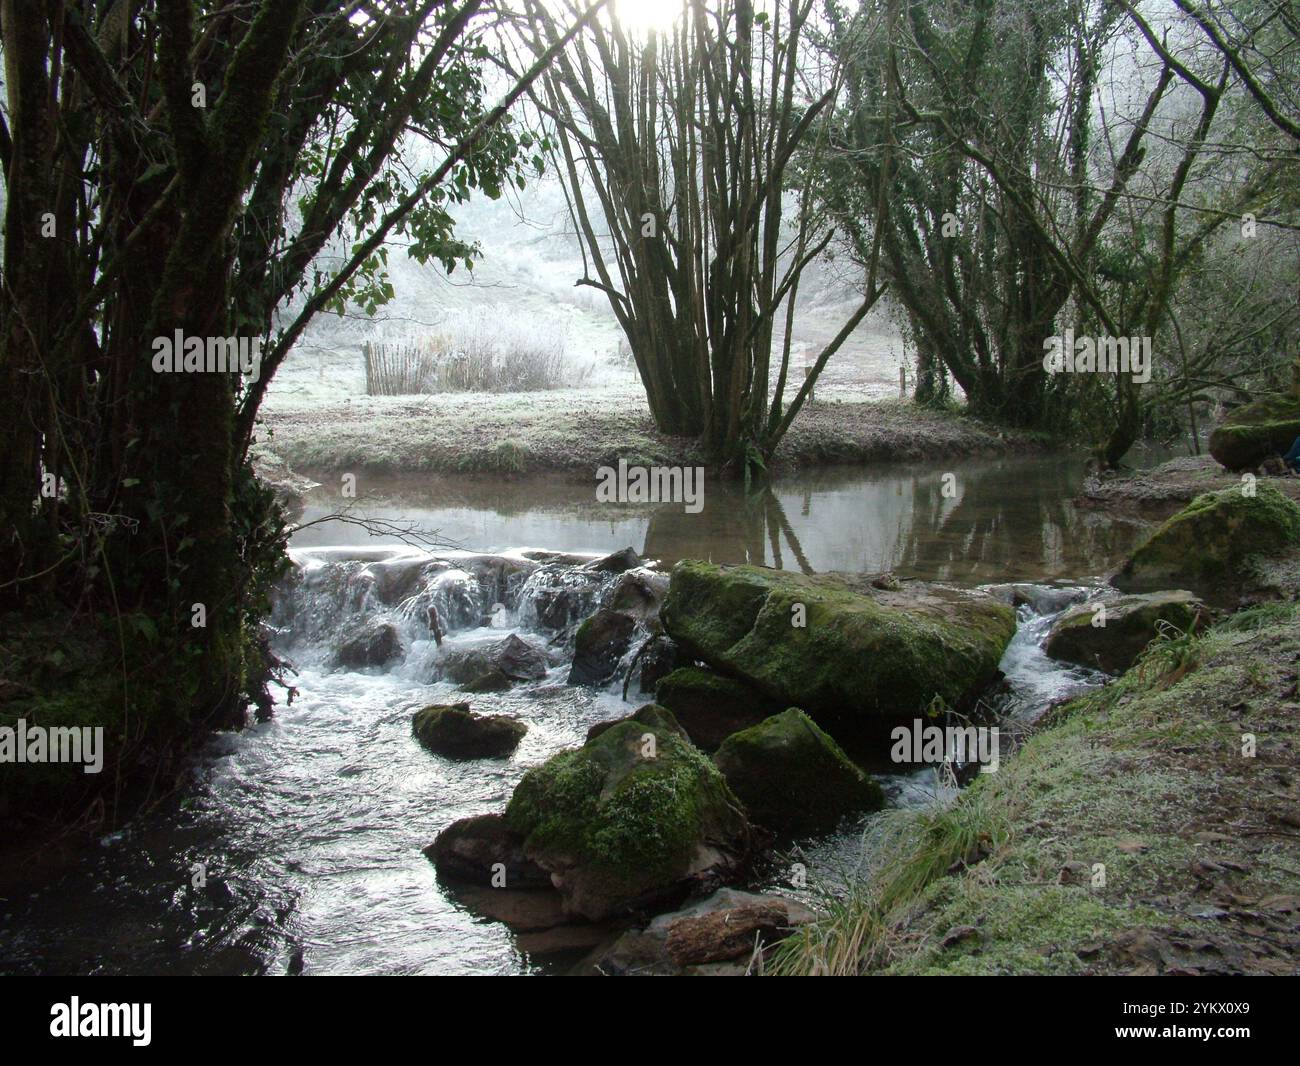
(685, 142)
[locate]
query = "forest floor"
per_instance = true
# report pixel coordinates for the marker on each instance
(575, 430)
(1153, 827)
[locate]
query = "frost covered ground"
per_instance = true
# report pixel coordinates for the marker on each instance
(522, 291)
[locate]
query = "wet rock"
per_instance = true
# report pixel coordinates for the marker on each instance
(659, 658)
(519, 659)
(714, 936)
(616, 562)
(639, 593)
(599, 646)
(1213, 546)
(711, 707)
(512, 658)
(1256, 432)
(1130, 624)
(561, 596)
(398, 578)
(792, 777)
(376, 643)
(634, 816)
(457, 732)
(1043, 599)
(862, 655)
(476, 850)
(562, 939)
(492, 681)
(524, 910)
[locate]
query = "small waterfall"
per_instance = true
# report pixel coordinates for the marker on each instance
(1033, 680)
(437, 604)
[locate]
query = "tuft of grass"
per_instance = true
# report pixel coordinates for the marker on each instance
(908, 851)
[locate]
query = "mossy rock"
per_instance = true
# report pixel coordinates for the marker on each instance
(1113, 641)
(1255, 432)
(711, 707)
(792, 777)
(1210, 544)
(651, 714)
(618, 829)
(457, 732)
(864, 654)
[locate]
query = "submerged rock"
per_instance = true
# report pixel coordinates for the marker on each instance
(457, 732)
(711, 707)
(512, 658)
(376, 643)
(792, 777)
(634, 816)
(559, 596)
(1213, 544)
(1113, 641)
(482, 849)
(599, 646)
(1255, 432)
(862, 654)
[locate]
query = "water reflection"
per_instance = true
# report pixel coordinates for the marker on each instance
(991, 520)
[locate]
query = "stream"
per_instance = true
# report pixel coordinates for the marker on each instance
(296, 845)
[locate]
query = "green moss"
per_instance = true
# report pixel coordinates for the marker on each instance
(631, 823)
(792, 776)
(1209, 545)
(712, 707)
(861, 652)
(1256, 432)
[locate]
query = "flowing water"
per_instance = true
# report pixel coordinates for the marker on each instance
(296, 845)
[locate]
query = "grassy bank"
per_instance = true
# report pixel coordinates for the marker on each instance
(577, 430)
(1143, 781)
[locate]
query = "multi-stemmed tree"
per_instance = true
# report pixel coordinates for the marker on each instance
(180, 165)
(684, 143)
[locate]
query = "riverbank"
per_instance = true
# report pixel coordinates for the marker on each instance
(1160, 491)
(1132, 835)
(576, 430)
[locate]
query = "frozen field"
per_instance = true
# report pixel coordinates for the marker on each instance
(522, 290)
